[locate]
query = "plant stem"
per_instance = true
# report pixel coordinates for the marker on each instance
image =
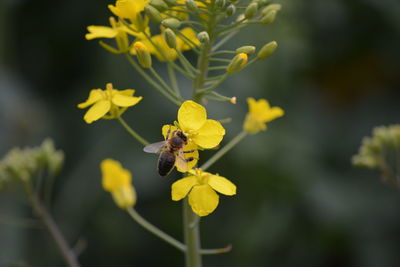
(132, 132)
(154, 230)
(172, 78)
(51, 226)
(151, 82)
(192, 236)
(224, 150)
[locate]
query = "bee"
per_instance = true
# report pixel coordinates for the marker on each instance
(171, 151)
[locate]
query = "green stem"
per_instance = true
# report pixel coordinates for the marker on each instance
(172, 78)
(151, 82)
(154, 230)
(223, 150)
(164, 84)
(52, 228)
(132, 132)
(192, 236)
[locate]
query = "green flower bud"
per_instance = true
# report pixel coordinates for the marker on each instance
(262, 3)
(247, 49)
(153, 13)
(272, 7)
(267, 50)
(268, 18)
(237, 63)
(170, 2)
(203, 37)
(220, 3)
(143, 55)
(170, 38)
(230, 10)
(251, 10)
(159, 4)
(191, 5)
(171, 23)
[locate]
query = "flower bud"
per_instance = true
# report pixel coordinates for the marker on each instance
(153, 13)
(267, 50)
(230, 10)
(247, 49)
(170, 2)
(159, 4)
(203, 37)
(191, 5)
(171, 23)
(251, 10)
(170, 38)
(262, 3)
(142, 54)
(233, 100)
(272, 7)
(220, 3)
(268, 18)
(237, 63)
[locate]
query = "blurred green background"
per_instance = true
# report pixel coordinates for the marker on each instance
(300, 202)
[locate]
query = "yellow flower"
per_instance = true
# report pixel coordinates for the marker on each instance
(129, 9)
(117, 181)
(201, 187)
(166, 52)
(111, 101)
(259, 114)
(193, 122)
(117, 30)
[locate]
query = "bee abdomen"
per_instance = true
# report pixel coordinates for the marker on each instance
(165, 163)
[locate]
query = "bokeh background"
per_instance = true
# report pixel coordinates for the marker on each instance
(300, 202)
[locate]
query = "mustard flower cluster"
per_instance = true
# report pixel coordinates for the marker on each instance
(184, 25)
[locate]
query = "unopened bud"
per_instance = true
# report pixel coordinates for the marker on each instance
(220, 3)
(203, 37)
(268, 18)
(251, 10)
(171, 23)
(247, 49)
(237, 63)
(170, 38)
(230, 10)
(142, 54)
(272, 7)
(159, 4)
(153, 13)
(170, 2)
(267, 50)
(233, 100)
(262, 3)
(191, 5)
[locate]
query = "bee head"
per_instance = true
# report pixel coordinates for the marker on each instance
(182, 136)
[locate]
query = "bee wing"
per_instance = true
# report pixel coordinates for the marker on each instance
(155, 147)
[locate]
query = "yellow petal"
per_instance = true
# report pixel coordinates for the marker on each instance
(190, 34)
(181, 162)
(271, 114)
(253, 124)
(124, 196)
(182, 187)
(210, 134)
(203, 199)
(168, 129)
(94, 96)
(100, 32)
(128, 8)
(222, 185)
(97, 111)
(128, 92)
(114, 176)
(191, 116)
(124, 100)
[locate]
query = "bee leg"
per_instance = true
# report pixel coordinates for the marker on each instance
(169, 131)
(189, 159)
(189, 151)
